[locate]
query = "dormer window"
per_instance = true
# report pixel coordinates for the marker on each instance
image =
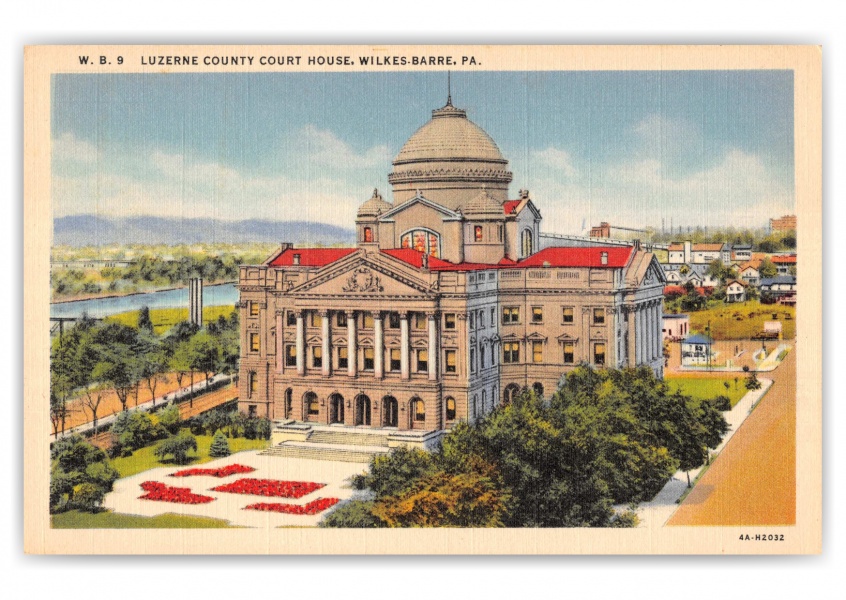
(296, 259)
(422, 240)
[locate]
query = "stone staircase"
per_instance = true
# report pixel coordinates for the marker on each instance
(334, 443)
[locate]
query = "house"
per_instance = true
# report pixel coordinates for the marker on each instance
(675, 327)
(697, 350)
(736, 290)
(699, 254)
(749, 273)
(781, 288)
(784, 263)
(444, 309)
(741, 252)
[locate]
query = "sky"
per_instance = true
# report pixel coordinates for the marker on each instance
(643, 148)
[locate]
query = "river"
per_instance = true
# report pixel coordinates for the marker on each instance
(224, 294)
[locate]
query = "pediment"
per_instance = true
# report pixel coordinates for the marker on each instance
(536, 337)
(363, 279)
(512, 338)
(566, 337)
(445, 213)
(654, 274)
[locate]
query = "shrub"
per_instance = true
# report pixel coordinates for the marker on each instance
(134, 430)
(353, 514)
(88, 496)
(752, 382)
(626, 520)
(722, 403)
(219, 446)
(170, 419)
(177, 446)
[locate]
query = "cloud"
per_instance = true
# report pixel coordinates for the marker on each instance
(324, 148)
(555, 158)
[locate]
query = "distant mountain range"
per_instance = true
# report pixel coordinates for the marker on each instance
(91, 230)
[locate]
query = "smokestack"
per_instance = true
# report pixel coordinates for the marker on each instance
(195, 301)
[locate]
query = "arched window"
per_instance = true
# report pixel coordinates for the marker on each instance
(289, 402)
(450, 408)
(510, 393)
(368, 234)
(418, 409)
(484, 402)
(422, 240)
(537, 387)
(312, 405)
(527, 243)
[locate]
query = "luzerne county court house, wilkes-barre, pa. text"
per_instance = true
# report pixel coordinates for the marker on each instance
(446, 307)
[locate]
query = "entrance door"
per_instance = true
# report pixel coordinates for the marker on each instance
(390, 412)
(362, 410)
(336, 409)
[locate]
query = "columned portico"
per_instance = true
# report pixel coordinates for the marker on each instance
(352, 349)
(405, 362)
(300, 343)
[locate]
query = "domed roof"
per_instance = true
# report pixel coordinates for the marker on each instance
(483, 204)
(374, 206)
(450, 135)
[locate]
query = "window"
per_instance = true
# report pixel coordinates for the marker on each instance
(341, 319)
(420, 320)
(569, 352)
(316, 319)
(368, 359)
(252, 411)
(537, 314)
(477, 233)
(599, 354)
(290, 355)
(598, 316)
(422, 240)
(537, 388)
(510, 314)
(291, 318)
(254, 309)
(396, 359)
(343, 357)
(567, 313)
(527, 245)
(511, 352)
(493, 315)
(449, 321)
(393, 320)
(472, 360)
(537, 352)
(449, 361)
(252, 387)
(481, 357)
(317, 357)
(472, 321)
(450, 409)
(418, 409)
(499, 233)
(255, 344)
(368, 234)
(312, 404)
(422, 361)
(481, 319)
(368, 320)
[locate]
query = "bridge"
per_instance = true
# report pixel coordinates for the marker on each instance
(562, 239)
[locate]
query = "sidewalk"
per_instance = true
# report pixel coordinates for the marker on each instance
(656, 512)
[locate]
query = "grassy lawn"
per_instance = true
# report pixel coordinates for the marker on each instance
(75, 519)
(144, 459)
(165, 318)
(742, 320)
(707, 388)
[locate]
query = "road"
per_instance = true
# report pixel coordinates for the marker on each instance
(753, 481)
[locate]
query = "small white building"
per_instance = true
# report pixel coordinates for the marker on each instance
(697, 350)
(736, 290)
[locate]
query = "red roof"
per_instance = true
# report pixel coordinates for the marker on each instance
(510, 205)
(784, 260)
(552, 257)
(311, 257)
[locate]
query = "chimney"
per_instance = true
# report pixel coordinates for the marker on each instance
(296, 259)
(688, 251)
(637, 244)
(285, 246)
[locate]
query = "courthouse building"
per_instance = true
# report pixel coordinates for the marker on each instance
(445, 308)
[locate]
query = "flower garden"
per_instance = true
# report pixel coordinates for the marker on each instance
(219, 472)
(270, 487)
(164, 493)
(312, 508)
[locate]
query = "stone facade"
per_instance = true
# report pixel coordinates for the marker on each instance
(445, 308)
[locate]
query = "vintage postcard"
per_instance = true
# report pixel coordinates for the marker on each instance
(423, 299)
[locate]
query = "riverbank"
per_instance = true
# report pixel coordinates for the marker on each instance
(153, 290)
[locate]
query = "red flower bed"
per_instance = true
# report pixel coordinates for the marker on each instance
(219, 472)
(270, 487)
(164, 493)
(312, 508)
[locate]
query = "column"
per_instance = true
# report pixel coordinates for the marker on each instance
(404, 343)
(300, 343)
(379, 346)
(327, 343)
(433, 346)
(280, 344)
(631, 349)
(352, 349)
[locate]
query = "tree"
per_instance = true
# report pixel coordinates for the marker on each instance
(219, 446)
(717, 270)
(180, 362)
(204, 354)
(170, 418)
(76, 469)
(353, 514)
(154, 362)
(145, 324)
(752, 382)
(121, 367)
(176, 446)
(134, 430)
(767, 269)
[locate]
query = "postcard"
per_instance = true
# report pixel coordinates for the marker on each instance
(423, 300)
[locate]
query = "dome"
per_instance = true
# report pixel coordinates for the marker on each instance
(483, 204)
(450, 135)
(374, 206)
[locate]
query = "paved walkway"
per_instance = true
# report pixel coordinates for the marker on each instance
(656, 512)
(753, 482)
(230, 507)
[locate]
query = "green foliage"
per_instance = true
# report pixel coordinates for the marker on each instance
(626, 519)
(219, 446)
(170, 419)
(767, 268)
(176, 446)
(722, 402)
(133, 430)
(353, 514)
(752, 382)
(144, 321)
(80, 475)
(395, 472)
